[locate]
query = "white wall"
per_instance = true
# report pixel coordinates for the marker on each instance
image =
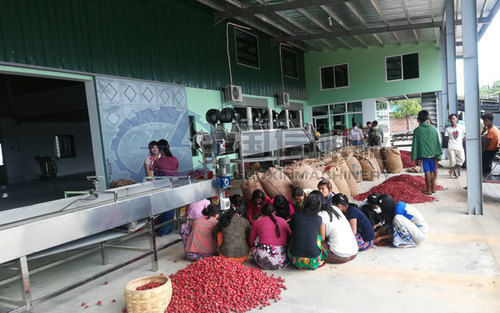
(22, 142)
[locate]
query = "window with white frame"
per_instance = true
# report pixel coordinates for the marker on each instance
(247, 48)
(334, 76)
(338, 116)
(401, 67)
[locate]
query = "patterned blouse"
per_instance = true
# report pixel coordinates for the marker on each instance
(200, 240)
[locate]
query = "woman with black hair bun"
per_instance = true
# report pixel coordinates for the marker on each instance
(360, 225)
(339, 241)
(232, 233)
(200, 242)
(405, 225)
(167, 164)
(273, 232)
(306, 250)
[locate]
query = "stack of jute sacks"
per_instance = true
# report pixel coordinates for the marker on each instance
(344, 168)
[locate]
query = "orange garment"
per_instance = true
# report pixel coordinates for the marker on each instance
(219, 243)
(494, 135)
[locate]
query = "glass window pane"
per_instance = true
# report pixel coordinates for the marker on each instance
(393, 67)
(357, 118)
(410, 66)
(320, 110)
(247, 48)
(327, 77)
(289, 58)
(355, 106)
(337, 108)
(381, 105)
(338, 122)
(322, 125)
(341, 76)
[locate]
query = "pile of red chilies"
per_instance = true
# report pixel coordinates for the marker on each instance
(405, 188)
(149, 285)
(220, 285)
(406, 159)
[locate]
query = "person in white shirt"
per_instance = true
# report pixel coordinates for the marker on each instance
(356, 135)
(339, 241)
(455, 135)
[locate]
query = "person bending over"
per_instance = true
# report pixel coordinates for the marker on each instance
(200, 242)
(339, 241)
(405, 225)
(360, 225)
(426, 148)
(232, 233)
(370, 208)
(273, 233)
(306, 250)
(298, 197)
(238, 202)
(255, 204)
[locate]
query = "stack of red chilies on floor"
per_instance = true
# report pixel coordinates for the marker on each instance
(216, 284)
(405, 188)
(406, 159)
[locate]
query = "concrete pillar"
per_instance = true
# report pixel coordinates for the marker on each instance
(472, 108)
(451, 55)
(443, 106)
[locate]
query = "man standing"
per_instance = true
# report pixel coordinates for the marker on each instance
(455, 136)
(356, 135)
(426, 148)
(367, 132)
(377, 135)
(491, 141)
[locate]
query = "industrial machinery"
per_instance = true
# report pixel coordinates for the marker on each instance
(96, 221)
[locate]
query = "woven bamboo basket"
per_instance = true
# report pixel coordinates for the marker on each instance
(154, 300)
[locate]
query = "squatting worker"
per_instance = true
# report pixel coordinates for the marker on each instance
(356, 135)
(426, 148)
(491, 142)
(455, 135)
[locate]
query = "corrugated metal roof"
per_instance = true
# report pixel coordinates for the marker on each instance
(355, 15)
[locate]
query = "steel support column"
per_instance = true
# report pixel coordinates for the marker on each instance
(472, 109)
(443, 106)
(451, 56)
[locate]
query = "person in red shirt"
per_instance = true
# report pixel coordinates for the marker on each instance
(166, 164)
(259, 199)
(490, 143)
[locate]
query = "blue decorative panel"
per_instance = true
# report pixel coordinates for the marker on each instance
(132, 114)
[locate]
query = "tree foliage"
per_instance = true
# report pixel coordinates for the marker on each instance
(407, 107)
(488, 91)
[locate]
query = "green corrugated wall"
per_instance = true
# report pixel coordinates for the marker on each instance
(171, 41)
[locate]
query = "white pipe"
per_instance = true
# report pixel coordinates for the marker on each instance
(472, 109)
(451, 56)
(443, 106)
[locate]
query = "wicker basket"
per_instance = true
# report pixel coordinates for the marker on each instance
(154, 300)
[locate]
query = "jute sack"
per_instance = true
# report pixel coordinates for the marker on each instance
(392, 160)
(336, 175)
(275, 183)
(377, 153)
(354, 167)
(249, 185)
(305, 177)
(370, 172)
(374, 162)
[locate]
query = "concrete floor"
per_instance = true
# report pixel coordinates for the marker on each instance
(457, 269)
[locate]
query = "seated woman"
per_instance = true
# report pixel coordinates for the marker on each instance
(283, 207)
(305, 249)
(339, 242)
(325, 186)
(360, 225)
(200, 242)
(232, 233)
(298, 197)
(273, 232)
(166, 164)
(193, 211)
(370, 208)
(255, 204)
(405, 225)
(238, 202)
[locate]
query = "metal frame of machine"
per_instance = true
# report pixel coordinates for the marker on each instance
(32, 229)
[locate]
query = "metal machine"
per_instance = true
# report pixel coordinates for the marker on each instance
(89, 220)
